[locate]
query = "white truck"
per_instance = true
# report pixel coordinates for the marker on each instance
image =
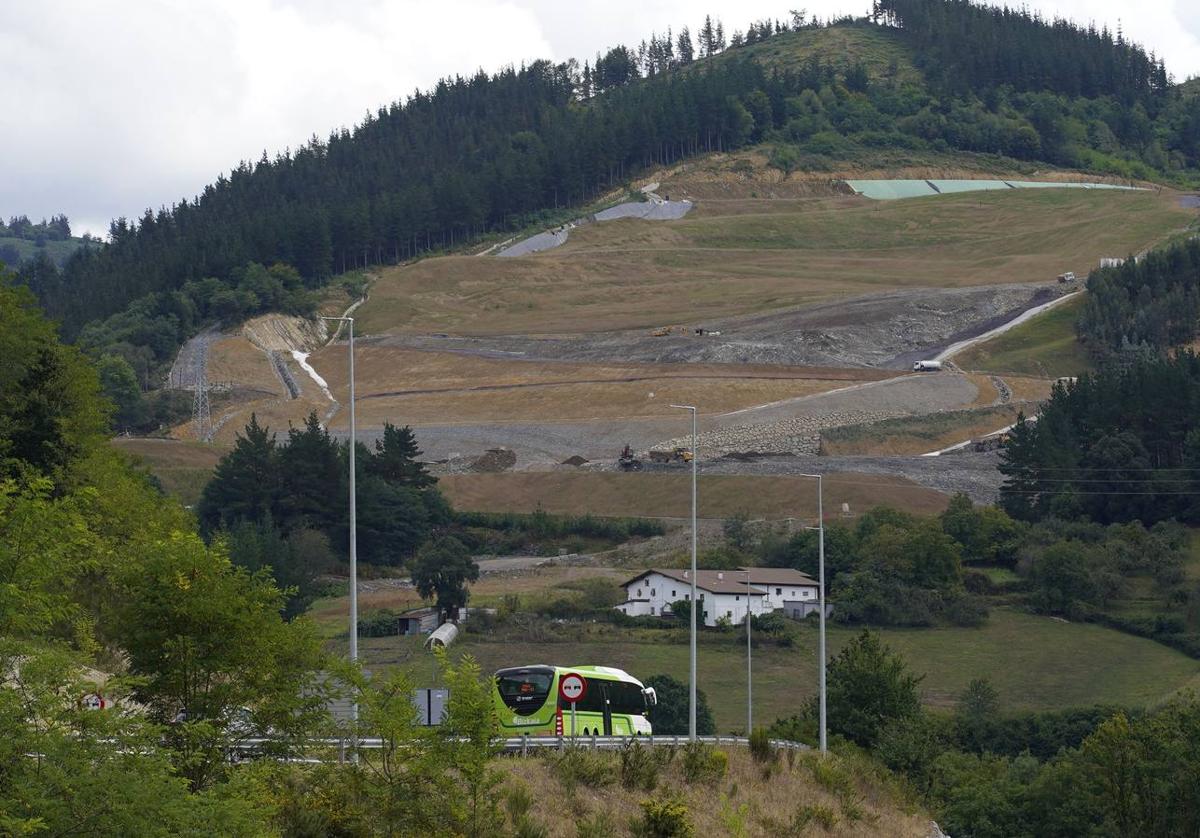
(927, 366)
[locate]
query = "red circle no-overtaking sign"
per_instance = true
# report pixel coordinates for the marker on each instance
(572, 687)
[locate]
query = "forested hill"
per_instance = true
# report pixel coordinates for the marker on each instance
(491, 152)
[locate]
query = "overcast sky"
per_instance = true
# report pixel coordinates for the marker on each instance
(110, 106)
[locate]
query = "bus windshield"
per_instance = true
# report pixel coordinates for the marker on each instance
(525, 690)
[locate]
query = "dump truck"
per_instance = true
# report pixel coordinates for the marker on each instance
(677, 455)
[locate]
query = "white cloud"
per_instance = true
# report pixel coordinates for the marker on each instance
(111, 106)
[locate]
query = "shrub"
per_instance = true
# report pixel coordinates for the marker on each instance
(639, 767)
(518, 801)
(702, 763)
(597, 825)
(760, 745)
(577, 766)
(665, 818)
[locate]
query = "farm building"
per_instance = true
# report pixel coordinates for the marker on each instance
(722, 593)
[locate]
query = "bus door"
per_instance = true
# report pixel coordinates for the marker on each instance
(606, 706)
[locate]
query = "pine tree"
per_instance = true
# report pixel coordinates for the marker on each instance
(396, 459)
(686, 51)
(245, 485)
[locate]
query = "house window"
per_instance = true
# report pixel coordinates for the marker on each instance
(687, 597)
(651, 592)
(672, 594)
(639, 593)
(729, 614)
(737, 598)
(651, 610)
(779, 592)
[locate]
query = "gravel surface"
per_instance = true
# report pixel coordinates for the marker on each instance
(882, 330)
(183, 371)
(783, 426)
(794, 426)
(655, 209)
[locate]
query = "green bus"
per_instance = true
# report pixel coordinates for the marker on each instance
(614, 704)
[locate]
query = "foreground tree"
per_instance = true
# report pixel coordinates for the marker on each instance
(66, 770)
(868, 687)
(213, 655)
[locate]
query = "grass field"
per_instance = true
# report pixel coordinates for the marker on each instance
(1044, 346)
(748, 256)
(181, 467)
(918, 434)
(667, 495)
(1035, 663)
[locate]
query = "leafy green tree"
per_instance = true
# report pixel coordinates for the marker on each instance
(119, 384)
(51, 410)
(441, 570)
(213, 654)
(670, 715)
(72, 771)
(868, 687)
(312, 469)
(1062, 578)
(295, 561)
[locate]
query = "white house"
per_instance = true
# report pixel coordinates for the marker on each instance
(722, 593)
(782, 586)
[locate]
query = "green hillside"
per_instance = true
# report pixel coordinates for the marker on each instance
(58, 251)
(880, 51)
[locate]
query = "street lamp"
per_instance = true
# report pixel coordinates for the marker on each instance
(821, 600)
(353, 525)
(695, 604)
(749, 670)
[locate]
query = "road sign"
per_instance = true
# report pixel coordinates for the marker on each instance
(572, 687)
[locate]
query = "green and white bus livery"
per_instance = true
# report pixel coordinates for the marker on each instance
(614, 704)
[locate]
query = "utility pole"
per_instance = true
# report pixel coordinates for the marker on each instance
(821, 605)
(353, 533)
(695, 604)
(749, 669)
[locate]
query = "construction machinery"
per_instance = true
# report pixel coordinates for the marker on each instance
(677, 455)
(627, 461)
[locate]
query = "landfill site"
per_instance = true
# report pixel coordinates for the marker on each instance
(567, 351)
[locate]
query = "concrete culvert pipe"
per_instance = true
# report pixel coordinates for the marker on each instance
(443, 636)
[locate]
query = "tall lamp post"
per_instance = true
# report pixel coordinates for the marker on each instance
(749, 670)
(821, 599)
(695, 604)
(353, 527)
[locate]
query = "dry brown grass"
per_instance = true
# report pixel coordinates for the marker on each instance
(418, 387)
(668, 496)
(1029, 389)
(636, 274)
(181, 467)
(750, 800)
(236, 359)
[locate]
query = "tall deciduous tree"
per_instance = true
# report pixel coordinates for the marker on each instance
(441, 570)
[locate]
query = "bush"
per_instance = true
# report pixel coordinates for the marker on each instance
(579, 767)
(597, 825)
(760, 745)
(639, 767)
(702, 763)
(383, 622)
(665, 818)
